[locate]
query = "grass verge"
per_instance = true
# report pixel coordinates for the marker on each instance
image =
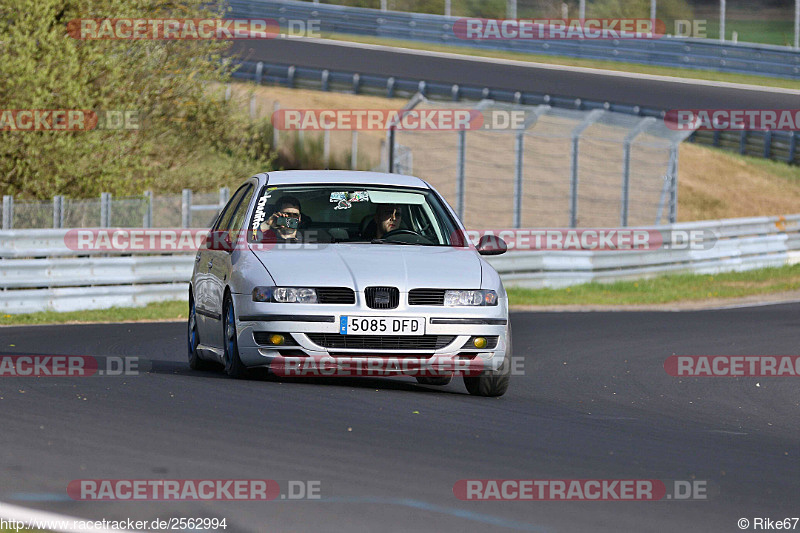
(666, 289)
(708, 75)
(154, 311)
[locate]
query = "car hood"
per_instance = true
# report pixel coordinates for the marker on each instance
(363, 265)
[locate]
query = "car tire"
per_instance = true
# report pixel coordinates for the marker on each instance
(193, 340)
(438, 381)
(233, 364)
(495, 382)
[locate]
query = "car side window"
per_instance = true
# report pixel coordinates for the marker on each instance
(223, 223)
(238, 215)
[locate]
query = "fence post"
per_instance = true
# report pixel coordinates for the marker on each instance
(259, 72)
(8, 211)
(105, 209)
(58, 211)
(224, 196)
(390, 87)
(626, 166)
(252, 107)
(520, 144)
(275, 131)
(147, 219)
(743, 142)
(186, 208)
(356, 82)
(290, 74)
(324, 79)
(390, 150)
(326, 146)
(460, 185)
(767, 144)
(573, 184)
(354, 150)
(673, 197)
(792, 146)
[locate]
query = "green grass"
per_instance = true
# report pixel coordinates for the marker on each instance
(780, 32)
(665, 289)
(154, 311)
(576, 62)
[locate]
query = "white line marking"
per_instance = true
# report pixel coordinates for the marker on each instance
(548, 66)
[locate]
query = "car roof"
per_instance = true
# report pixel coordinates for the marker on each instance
(294, 177)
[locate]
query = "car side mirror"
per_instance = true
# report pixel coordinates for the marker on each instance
(219, 241)
(491, 245)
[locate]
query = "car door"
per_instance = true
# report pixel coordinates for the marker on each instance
(220, 262)
(209, 313)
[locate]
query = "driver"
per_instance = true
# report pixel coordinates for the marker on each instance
(387, 218)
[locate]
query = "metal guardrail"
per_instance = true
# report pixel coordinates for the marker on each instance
(777, 145)
(704, 54)
(38, 276)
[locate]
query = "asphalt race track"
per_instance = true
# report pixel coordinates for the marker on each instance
(620, 88)
(594, 403)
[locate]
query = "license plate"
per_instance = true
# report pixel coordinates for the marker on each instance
(367, 325)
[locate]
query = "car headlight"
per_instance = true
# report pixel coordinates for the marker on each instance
(470, 297)
(285, 295)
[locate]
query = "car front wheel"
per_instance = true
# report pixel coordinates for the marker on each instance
(233, 364)
(494, 382)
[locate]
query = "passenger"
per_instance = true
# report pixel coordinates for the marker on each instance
(285, 221)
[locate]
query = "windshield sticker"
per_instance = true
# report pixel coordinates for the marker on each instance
(343, 204)
(259, 217)
(355, 196)
(358, 196)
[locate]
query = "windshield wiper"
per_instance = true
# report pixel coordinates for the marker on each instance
(384, 241)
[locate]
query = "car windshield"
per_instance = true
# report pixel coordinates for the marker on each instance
(351, 213)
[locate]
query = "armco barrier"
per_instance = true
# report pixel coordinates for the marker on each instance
(37, 272)
(704, 54)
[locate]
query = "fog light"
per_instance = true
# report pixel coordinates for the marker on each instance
(479, 342)
(277, 339)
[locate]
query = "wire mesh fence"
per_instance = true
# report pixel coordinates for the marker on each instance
(186, 210)
(552, 167)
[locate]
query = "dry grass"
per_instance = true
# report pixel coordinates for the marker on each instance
(713, 184)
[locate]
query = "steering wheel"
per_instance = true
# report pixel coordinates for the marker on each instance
(401, 231)
(418, 237)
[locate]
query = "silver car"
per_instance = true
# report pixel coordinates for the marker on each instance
(348, 269)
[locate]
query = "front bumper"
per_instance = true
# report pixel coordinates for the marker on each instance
(300, 324)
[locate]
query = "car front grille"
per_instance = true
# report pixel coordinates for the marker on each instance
(382, 297)
(336, 295)
(426, 296)
(381, 342)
